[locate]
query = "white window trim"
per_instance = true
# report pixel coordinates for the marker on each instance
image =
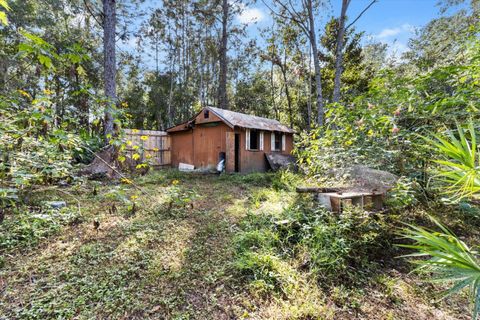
(247, 140)
(283, 141)
(261, 140)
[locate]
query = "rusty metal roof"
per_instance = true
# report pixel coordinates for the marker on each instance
(249, 121)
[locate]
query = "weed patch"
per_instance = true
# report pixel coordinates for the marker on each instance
(26, 226)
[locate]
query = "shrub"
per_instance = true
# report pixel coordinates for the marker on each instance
(285, 180)
(266, 271)
(256, 240)
(332, 246)
(449, 260)
(339, 245)
(403, 194)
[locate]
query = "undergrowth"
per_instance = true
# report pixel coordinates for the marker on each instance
(25, 226)
(207, 247)
(332, 248)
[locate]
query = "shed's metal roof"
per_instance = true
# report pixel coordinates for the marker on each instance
(248, 121)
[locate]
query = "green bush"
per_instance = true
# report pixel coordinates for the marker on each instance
(285, 180)
(383, 128)
(331, 246)
(256, 240)
(403, 194)
(338, 246)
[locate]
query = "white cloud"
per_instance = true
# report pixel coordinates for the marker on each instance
(386, 33)
(408, 28)
(250, 15)
(396, 38)
(391, 32)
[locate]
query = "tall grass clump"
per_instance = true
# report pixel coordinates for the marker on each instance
(331, 247)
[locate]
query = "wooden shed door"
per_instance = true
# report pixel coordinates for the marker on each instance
(208, 144)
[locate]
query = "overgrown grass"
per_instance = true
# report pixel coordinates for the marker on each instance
(210, 247)
(25, 226)
(333, 248)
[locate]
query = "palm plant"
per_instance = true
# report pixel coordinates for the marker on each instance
(460, 170)
(450, 259)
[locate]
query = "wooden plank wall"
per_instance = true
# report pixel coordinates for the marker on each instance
(156, 144)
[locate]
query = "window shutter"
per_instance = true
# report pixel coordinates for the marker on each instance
(283, 142)
(261, 140)
(272, 141)
(247, 139)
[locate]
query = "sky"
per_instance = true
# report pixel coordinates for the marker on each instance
(389, 21)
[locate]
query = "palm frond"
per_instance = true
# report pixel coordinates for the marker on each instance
(450, 260)
(460, 170)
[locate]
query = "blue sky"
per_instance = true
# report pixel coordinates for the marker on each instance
(389, 21)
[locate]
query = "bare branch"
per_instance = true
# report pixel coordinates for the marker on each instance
(361, 13)
(294, 16)
(92, 14)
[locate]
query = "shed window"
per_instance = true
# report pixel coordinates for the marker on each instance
(278, 141)
(254, 140)
(206, 114)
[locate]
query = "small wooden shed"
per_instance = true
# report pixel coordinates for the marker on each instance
(242, 140)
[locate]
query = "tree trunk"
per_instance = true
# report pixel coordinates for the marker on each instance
(272, 86)
(339, 51)
(283, 69)
(109, 62)
(170, 116)
(82, 102)
(309, 101)
(316, 63)
(222, 83)
(289, 98)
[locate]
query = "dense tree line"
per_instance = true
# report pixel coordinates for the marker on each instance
(202, 56)
(63, 66)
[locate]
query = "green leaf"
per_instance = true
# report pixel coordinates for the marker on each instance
(3, 18)
(461, 169)
(4, 4)
(35, 39)
(46, 61)
(451, 260)
(25, 47)
(81, 71)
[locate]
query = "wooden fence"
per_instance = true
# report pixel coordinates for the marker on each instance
(154, 146)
